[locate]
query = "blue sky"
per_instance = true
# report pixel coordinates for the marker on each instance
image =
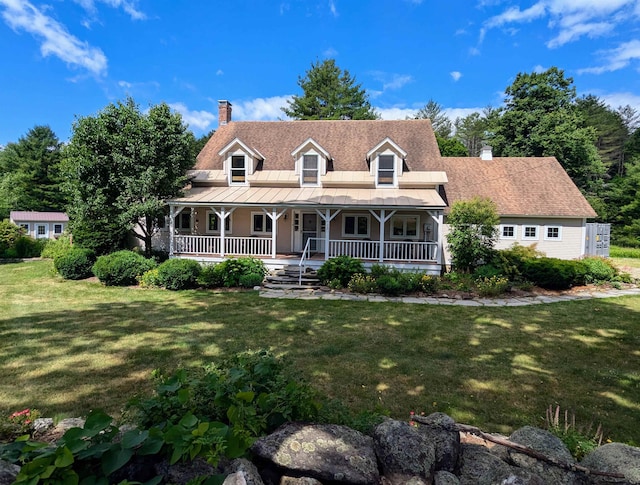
(63, 59)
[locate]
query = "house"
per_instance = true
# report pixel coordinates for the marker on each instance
(300, 192)
(40, 225)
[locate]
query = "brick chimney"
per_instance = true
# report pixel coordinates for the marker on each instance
(486, 153)
(224, 112)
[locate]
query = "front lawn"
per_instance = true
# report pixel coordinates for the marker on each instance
(71, 346)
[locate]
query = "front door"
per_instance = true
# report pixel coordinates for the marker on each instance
(309, 229)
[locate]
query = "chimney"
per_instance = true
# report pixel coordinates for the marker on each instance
(224, 112)
(486, 153)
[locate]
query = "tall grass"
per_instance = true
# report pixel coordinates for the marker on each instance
(621, 252)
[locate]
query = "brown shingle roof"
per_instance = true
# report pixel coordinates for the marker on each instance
(346, 141)
(519, 186)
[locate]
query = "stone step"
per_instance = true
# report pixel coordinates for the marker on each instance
(291, 280)
(271, 286)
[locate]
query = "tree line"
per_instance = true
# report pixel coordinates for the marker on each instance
(120, 165)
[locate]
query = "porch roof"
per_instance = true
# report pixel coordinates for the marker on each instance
(311, 197)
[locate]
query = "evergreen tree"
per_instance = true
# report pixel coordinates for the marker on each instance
(440, 122)
(329, 94)
(471, 131)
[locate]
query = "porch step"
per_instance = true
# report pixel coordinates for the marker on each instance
(289, 276)
(279, 286)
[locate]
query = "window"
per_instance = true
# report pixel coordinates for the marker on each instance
(213, 223)
(261, 223)
(310, 170)
(238, 169)
(25, 226)
(355, 225)
(507, 232)
(530, 232)
(386, 170)
(405, 227)
(42, 230)
(553, 233)
(57, 229)
(183, 221)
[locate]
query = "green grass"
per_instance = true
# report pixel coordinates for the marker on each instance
(68, 347)
(626, 253)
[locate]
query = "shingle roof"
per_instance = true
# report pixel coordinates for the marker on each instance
(34, 216)
(520, 186)
(346, 141)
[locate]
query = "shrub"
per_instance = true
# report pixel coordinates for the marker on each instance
(75, 263)
(493, 286)
(457, 281)
(150, 279)
(178, 274)
(378, 270)
(554, 274)
(509, 262)
(487, 271)
(56, 247)
(27, 247)
(250, 280)
(599, 269)
(361, 283)
(233, 269)
(211, 276)
(9, 233)
(121, 268)
(428, 284)
(341, 268)
(389, 285)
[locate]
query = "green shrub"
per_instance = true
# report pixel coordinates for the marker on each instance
(378, 270)
(121, 268)
(335, 284)
(211, 276)
(56, 247)
(9, 233)
(509, 262)
(599, 269)
(341, 268)
(389, 285)
(554, 274)
(457, 281)
(150, 279)
(75, 264)
(27, 247)
(409, 281)
(178, 274)
(250, 280)
(429, 284)
(361, 283)
(624, 252)
(487, 271)
(234, 268)
(493, 286)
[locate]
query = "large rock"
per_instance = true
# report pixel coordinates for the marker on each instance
(242, 472)
(8, 472)
(445, 478)
(476, 461)
(325, 452)
(514, 476)
(614, 458)
(550, 446)
(438, 427)
(405, 455)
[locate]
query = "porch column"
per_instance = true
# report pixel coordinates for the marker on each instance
(382, 220)
(172, 224)
(327, 217)
(274, 216)
(440, 258)
(222, 214)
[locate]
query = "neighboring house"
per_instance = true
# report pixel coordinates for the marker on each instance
(40, 225)
(299, 192)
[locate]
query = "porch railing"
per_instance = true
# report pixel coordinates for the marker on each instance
(391, 250)
(242, 246)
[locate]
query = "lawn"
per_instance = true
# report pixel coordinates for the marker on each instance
(68, 347)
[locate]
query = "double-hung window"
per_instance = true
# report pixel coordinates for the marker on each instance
(238, 169)
(405, 227)
(261, 223)
(386, 170)
(57, 229)
(355, 225)
(310, 170)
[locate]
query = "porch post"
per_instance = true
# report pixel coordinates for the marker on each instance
(223, 217)
(274, 216)
(172, 215)
(440, 258)
(382, 219)
(327, 217)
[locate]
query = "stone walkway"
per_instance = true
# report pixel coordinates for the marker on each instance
(518, 301)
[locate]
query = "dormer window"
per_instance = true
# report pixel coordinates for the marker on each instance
(386, 170)
(310, 170)
(238, 170)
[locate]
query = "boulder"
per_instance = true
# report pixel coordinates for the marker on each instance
(614, 458)
(513, 476)
(477, 461)
(405, 455)
(299, 481)
(323, 451)
(8, 472)
(445, 478)
(242, 472)
(438, 428)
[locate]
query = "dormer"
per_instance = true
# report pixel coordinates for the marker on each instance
(239, 162)
(311, 162)
(385, 163)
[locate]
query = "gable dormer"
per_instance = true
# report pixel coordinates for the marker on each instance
(311, 162)
(386, 162)
(239, 161)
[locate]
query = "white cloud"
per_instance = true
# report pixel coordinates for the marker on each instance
(614, 100)
(260, 109)
(219, 72)
(574, 32)
(330, 53)
(199, 120)
(616, 59)
(55, 39)
(538, 69)
(130, 7)
(455, 75)
(391, 81)
(453, 113)
(332, 8)
(396, 113)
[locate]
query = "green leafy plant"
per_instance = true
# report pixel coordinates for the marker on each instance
(121, 268)
(9, 234)
(599, 269)
(429, 284)
(493, 286)
(56, 247)
(553, 273)
(230, 271)
(361, 283)
(178, 274)
(150, 279)
(75, 263)
(389, 285)
(341, 268)
(28, 247)
(250, 280)
(579, 440)
(18, 423)
(211, 276)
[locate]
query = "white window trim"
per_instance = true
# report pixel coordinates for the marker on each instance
(246, 168)
(546, 233)
(395, 169)
(179, 217)
(266, 218)
(405, 217)
(524, 229)
(211, 231)
(356, 235)
(515, 231)
(61, 229)
(320, 161)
